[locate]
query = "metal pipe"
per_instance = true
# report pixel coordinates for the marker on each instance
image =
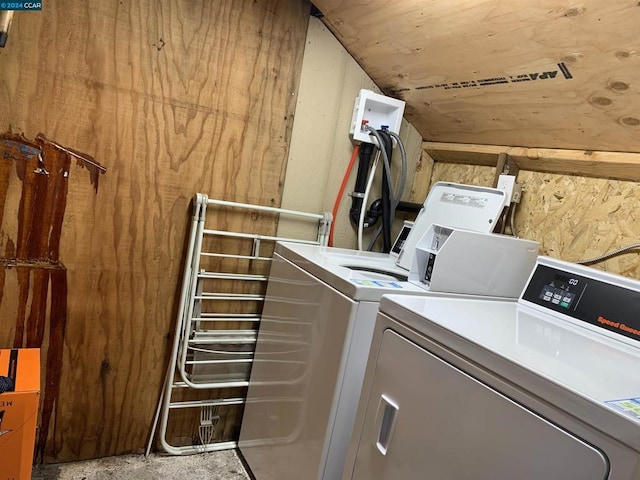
(262, 208)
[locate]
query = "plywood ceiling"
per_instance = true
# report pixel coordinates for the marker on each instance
(536, 73)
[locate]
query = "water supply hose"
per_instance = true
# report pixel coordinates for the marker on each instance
(385, 157)
(399, 189)
(361, 219)
(343, 185)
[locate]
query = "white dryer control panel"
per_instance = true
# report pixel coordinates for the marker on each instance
(592, 298)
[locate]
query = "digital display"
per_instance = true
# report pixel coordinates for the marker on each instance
(402, 237)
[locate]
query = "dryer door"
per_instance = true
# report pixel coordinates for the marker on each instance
(427, 419)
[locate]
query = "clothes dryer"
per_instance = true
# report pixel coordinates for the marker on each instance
(546, 387)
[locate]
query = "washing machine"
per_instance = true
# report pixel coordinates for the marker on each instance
(314, 339)
(547, 387)
(311, 352)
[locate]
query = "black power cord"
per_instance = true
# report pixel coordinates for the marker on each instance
(387, 195)
(6, 384)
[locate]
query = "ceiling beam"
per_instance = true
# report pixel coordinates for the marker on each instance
(587, 163)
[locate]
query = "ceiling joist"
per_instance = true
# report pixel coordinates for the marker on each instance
(617, 165)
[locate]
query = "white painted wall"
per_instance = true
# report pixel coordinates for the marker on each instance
(320, 143)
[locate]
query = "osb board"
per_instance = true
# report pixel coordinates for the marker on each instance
(320, 143)
(459, 173)
(574, 218)
(578, 218)
(556, 74)
(173, 97)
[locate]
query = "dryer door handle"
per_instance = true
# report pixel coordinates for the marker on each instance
(385, 422)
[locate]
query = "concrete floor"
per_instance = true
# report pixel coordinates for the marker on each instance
(224, 465)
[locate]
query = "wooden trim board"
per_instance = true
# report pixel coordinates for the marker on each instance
(587, 163)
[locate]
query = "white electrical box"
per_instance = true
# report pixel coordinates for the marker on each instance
(507, 184)
(376, 111)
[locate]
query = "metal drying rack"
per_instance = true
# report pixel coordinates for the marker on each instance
(213, 349)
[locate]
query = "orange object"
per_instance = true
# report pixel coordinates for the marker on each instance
(354, 155)
(19, 412)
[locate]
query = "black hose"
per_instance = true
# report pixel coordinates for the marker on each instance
(387, 172)
(6, 384)
(373, 213)
(386, 196)
(366, 149)
(409, 207)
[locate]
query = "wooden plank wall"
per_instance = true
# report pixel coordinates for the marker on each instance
(173, 97)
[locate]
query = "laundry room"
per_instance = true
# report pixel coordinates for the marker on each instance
(199, 213)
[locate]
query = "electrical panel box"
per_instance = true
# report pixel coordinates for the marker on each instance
(376, 111)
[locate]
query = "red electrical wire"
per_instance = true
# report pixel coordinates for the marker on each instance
(354, 155)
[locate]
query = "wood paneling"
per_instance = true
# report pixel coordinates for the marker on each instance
(173, 97)
(552, 74)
